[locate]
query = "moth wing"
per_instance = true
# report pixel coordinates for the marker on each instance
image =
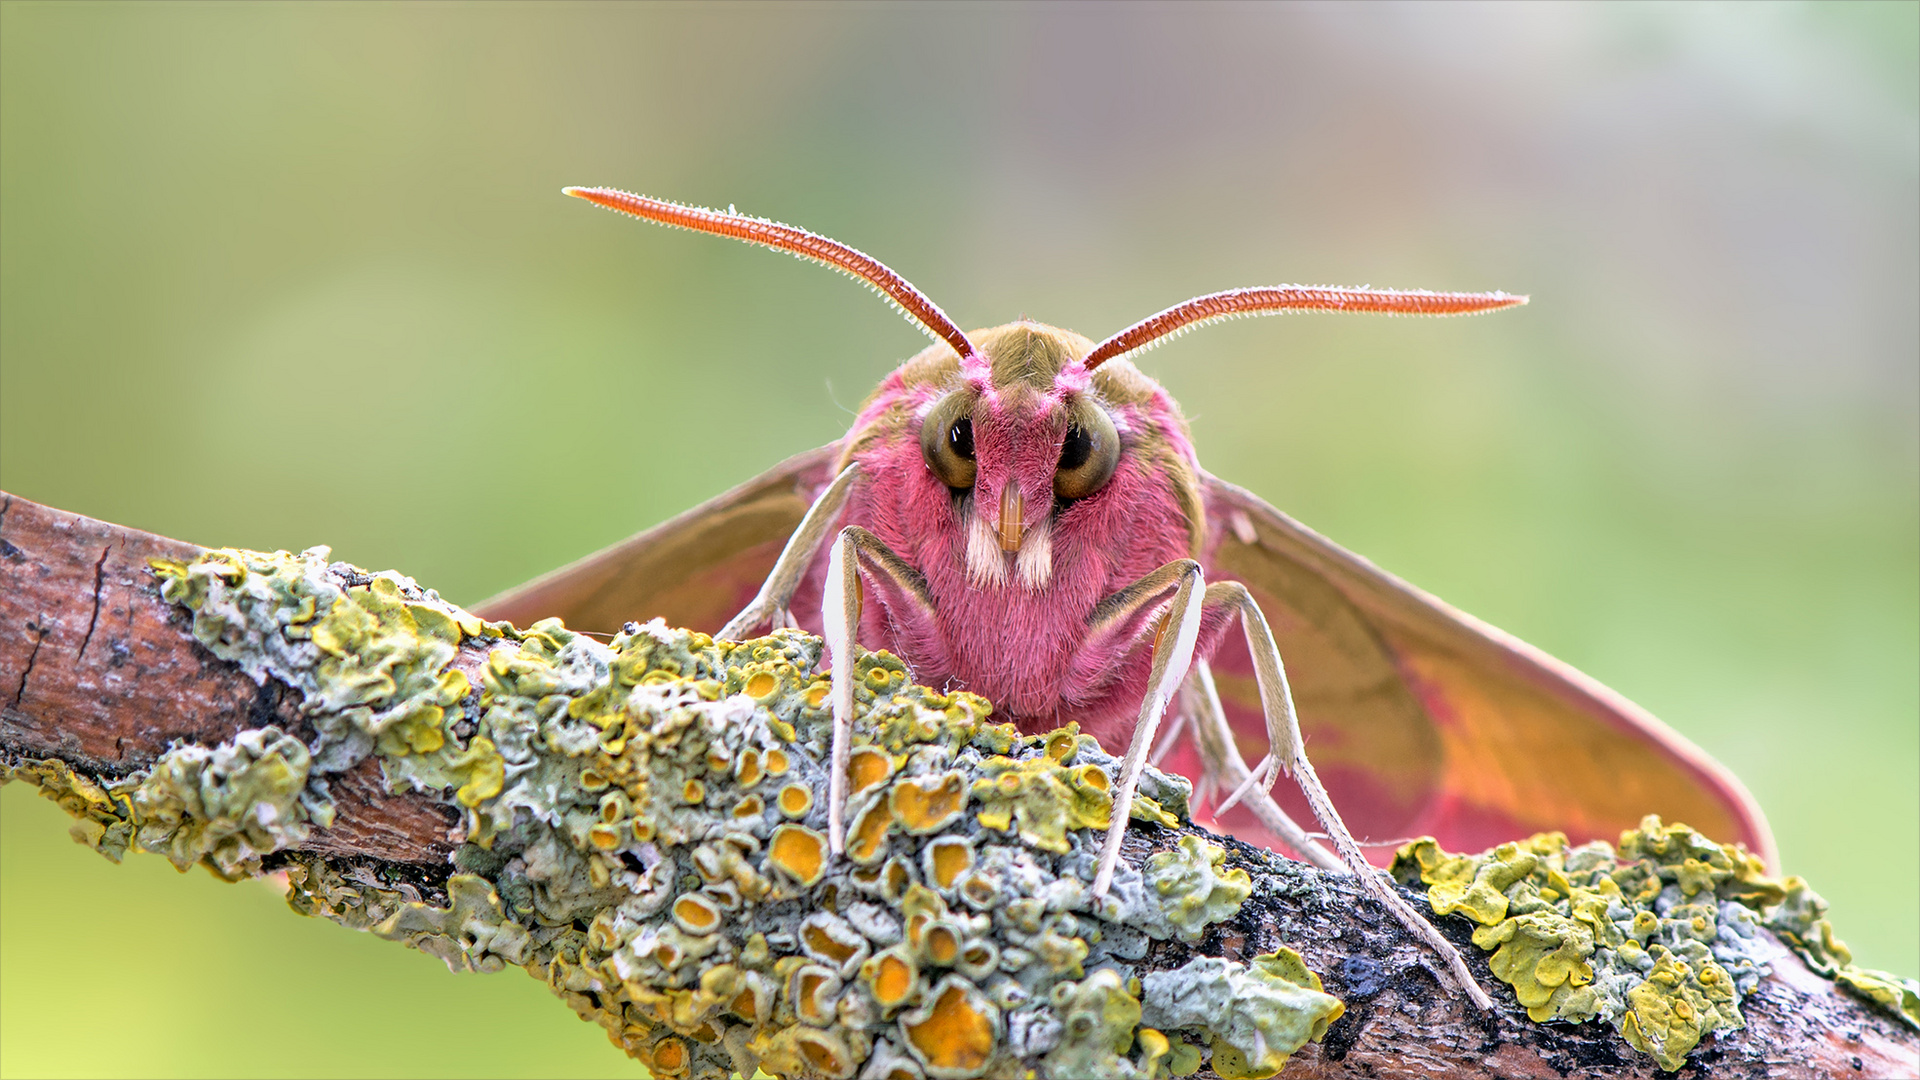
(695, 570)
(1424, 720)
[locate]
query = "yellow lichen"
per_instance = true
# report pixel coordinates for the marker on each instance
(927, 804)
(696, 914)
(811, 990)
(1193, 887)
(1655, 937)
(891, 977)
(867, 767)
(867, 840)
(795, 800)
(940, 944)
(947, 858)
(1039, 798)
(827, 937)
(651, 876)
(954, 1034)
(746, 768)
(1672, 1010)
(798, 852)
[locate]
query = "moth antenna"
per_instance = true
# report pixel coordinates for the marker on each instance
(800, 243)
(1241, 303)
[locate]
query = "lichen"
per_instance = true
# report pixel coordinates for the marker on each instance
(369, 653)
(1255, 1014)
(1099, 1031)
(1193, 889)
(645, 830)
(230, 805)
(1656, 937)
(224, 807)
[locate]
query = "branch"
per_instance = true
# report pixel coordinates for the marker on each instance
(638, 824)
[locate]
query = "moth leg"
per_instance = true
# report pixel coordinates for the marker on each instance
(1221, 761)
(769, 605)
(1288, 750)
(903, 592)
(1182, 718)
(1172, 652)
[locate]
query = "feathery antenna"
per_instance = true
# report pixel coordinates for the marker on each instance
(797, 242)
(1240, 303)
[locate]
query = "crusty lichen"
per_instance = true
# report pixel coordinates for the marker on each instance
(1194, 887)
(1656, 937)
(223, 807)
(1256, 1014)
(645, 830)
(368, 652)
(957, 937)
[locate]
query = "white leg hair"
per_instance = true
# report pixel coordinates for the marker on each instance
(840, 620)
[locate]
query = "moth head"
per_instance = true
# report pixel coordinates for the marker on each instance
(1018, 438)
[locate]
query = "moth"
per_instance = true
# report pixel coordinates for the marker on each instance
(1019, 511)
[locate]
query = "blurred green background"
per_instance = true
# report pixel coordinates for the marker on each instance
(281, 275)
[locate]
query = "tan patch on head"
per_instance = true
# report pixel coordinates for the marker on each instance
(1029, 354)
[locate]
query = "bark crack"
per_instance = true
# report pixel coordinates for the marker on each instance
(39, 633)
(99, 577)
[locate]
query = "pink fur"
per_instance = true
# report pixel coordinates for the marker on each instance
(1028, 650)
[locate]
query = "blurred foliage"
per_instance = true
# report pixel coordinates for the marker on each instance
(1691, 467)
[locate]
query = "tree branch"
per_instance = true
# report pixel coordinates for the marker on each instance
(112, 693)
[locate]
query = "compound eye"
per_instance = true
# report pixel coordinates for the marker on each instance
(1089, 454)
(946, 441)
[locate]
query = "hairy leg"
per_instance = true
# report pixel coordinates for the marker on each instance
(1286, 750)
(903, 592)
(1172, 652)
(1223, 766)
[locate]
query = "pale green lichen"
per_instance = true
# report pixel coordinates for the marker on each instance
(645, 831)
(1194, 889)
(473, 932)
(230, 805)
(1801, 921)
(1657, 938)
(1100, 1032)
(224, 807)
(1255, 1015)
(370, 655)
(101, 822)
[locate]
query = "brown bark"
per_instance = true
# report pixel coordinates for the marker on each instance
(98, 671)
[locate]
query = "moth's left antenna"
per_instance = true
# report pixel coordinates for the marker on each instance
(1240, 303)
(898, 291)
